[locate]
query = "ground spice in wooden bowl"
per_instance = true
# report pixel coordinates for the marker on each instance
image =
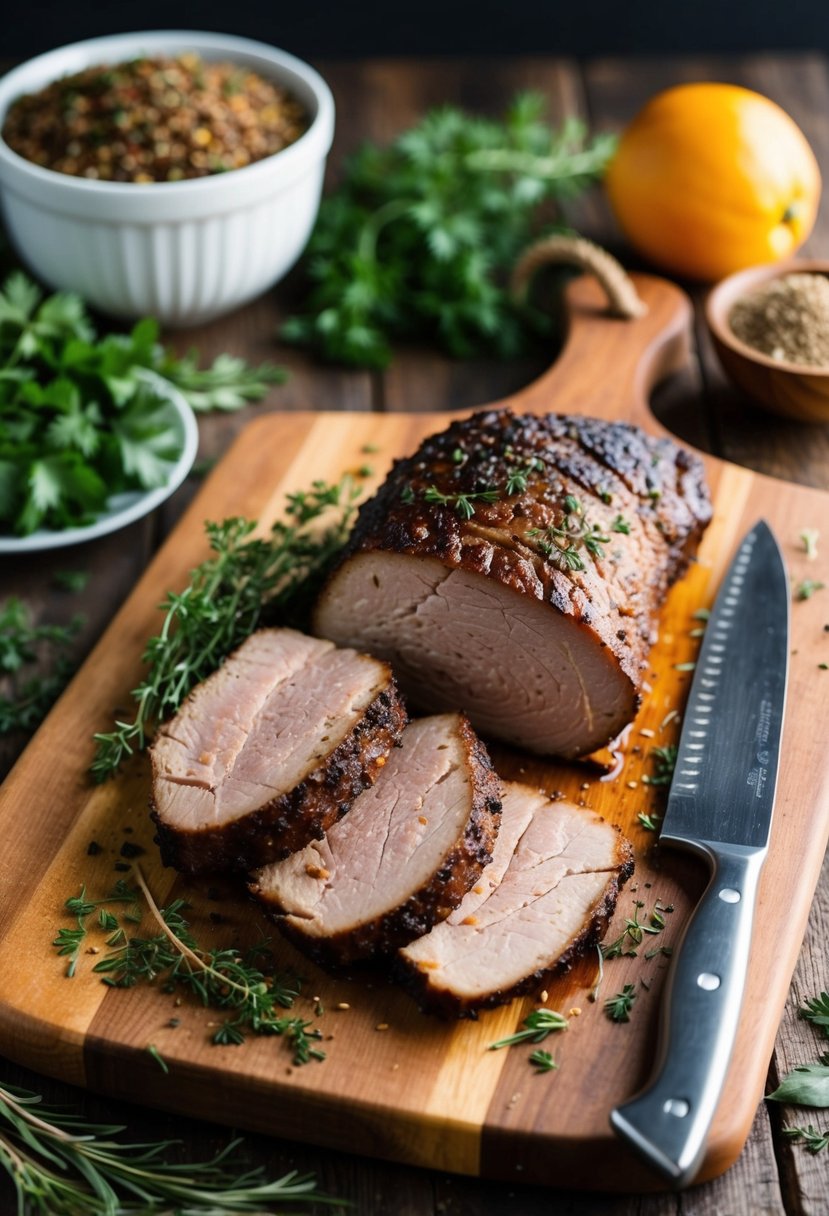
(154, 120)
(786, 319)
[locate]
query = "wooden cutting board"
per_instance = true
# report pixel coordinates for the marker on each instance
(395, 1083)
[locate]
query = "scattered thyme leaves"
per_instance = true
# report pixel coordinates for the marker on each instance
(537, 1025)
(463, 503)
(242, 984)
(61, 1165)
(618, 1007)
(562, 543)
(620, 524)
(417, 241)
(649, 821)
(247, 580)
(635, 930)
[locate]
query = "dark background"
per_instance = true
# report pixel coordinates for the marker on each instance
(433, 27)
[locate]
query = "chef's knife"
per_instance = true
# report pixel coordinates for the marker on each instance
(719, 807)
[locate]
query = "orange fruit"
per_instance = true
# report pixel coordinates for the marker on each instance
(711, 178)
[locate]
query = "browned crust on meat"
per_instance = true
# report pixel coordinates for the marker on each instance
(613, 468)
(294, 819)
(458, 871)
(432, 999)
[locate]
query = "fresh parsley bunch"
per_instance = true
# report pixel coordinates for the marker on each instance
(417, 241)
(79, 419)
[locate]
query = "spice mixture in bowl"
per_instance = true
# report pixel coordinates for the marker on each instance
(154, 120)
(770, 328)
(114, 179)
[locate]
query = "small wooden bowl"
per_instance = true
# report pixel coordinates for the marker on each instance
(790, 389)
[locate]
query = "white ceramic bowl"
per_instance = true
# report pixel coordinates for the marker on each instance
(187, 251)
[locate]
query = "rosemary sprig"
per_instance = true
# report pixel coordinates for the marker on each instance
(664, 762)
(538, 1025)
(618, 1007)
(649, 821)
(247, 580)
(543, 1060)
(62, 1165)
(813, 1140)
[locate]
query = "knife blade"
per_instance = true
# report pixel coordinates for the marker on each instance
(719, 807)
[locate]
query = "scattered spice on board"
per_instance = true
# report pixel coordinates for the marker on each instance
(786, 319)
(154, 120)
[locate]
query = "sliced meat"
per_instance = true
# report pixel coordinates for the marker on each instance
(404, 856)
(514, 567)
(547, 895)
(270, 750)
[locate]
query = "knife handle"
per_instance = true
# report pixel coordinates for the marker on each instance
(669, 1120)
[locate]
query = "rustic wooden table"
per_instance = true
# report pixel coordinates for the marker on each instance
(376, 99)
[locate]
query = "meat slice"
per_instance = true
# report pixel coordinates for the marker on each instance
(513, 568)
(547, 895)
(270, 750)
(402, 859)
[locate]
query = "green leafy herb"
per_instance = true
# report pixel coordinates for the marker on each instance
(807, 1085)
(36, 664)
(62, 1165)
(620, 524)
(221, 978)
(634, 931)
(807, 588)
(248, 578)
(663, 760)
(649, 821)
(618, 1007)
(813, 1140)
(417, 240)
(543, 1060)
(562, 543)
(816, 1011)
(462, 502)
(71, 580)
(158, 1057)
(702, 614)
(538, 1025)
(666, 950)
(69, 941)
(80, 419)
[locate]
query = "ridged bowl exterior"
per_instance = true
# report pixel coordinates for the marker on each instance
(185, 252)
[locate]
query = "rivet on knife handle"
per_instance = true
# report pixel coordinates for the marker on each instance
(668, 1122)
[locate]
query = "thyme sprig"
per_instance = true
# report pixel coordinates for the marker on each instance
(247, 579)
(462, 501)
(564, 543)
(62, 1165)
(538, 1025)
(69, 941)
(813, 1140)
(634, 931)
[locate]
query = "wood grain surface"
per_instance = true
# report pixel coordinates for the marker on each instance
(375, 99)
(420, 1090)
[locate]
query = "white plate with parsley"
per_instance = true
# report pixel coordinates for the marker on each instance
(159, 447)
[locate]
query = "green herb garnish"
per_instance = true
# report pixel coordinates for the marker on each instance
(37, 663)
(807, 588)
(224, 602)
(417, 240)
(813, 1140)
(663, 760)
(538, 1025)
(816, 1011)
(807, 1085)
(62, 1165)
(542, 1060)
(618, 1007)
(80, 420)
(462, 502)
(635, 931)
